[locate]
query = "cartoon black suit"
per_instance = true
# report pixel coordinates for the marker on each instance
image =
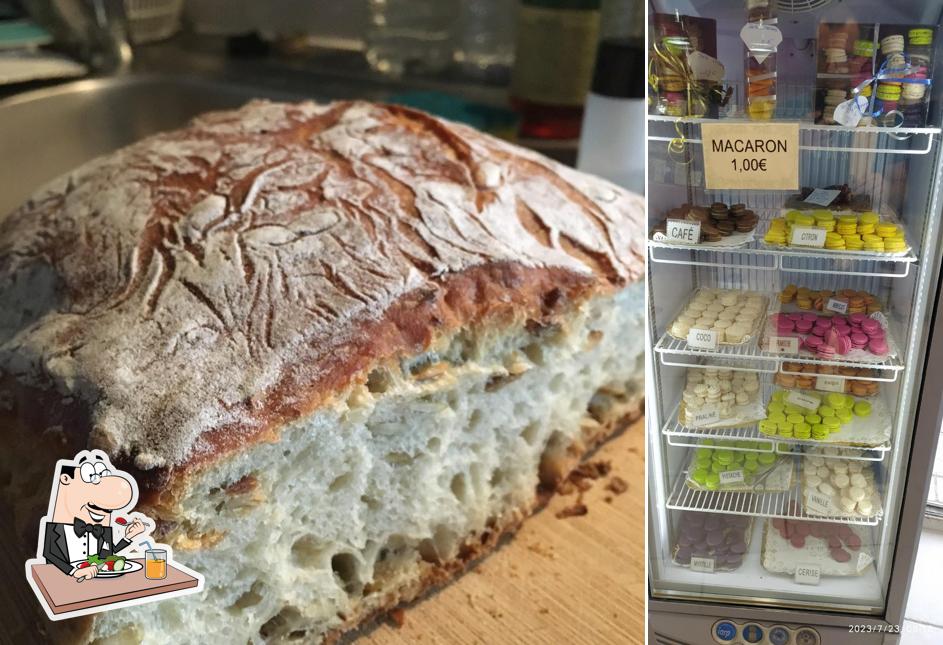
(86, 494)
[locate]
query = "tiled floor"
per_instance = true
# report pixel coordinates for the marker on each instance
(924, 618)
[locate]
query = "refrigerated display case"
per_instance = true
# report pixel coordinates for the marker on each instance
(790, 446)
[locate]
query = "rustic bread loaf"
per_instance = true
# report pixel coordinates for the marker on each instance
(336, 344)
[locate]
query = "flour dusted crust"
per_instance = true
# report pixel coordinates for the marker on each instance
(197, 290)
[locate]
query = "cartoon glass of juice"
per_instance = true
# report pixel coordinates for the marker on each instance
(155, 564)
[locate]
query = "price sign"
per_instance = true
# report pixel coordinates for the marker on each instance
(705, 68)
(808, 574)
(761, 39)
(849, 113)
(683, 231)
(702, 339)
(818, 503)
(838, 306)
(822, 196)
(704, 565)
(803, 400)
(864, 561)
(705, 417)
(783, 345)
(731, 477)
(751, 156)
(830, 384)
(807, 236)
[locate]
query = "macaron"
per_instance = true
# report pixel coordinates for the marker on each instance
(712, 481)
(878, 346)
(766, 458)
(700, 476)
(862, 409)
(858, 339)
(827, 352)
(870, 326)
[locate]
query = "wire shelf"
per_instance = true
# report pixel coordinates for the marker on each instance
(668, 346)
(758, 256)
(787, 505)
(812, 137)
(681, 436)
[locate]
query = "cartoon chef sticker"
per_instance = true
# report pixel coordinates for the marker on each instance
(90, 536)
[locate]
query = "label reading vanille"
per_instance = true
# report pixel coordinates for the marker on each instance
(751, 156)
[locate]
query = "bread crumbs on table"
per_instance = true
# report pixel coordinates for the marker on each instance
(574, 510)
(398, 616)
(617, 485)
(544, 610)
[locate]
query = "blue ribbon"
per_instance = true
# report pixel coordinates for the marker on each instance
(885, 73)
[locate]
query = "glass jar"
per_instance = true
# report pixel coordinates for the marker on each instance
(760, 81)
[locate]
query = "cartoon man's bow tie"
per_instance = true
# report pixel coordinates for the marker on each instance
(81, 527)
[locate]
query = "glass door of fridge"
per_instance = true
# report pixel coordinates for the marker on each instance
(779, 444)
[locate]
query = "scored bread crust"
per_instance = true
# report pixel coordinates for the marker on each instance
(189, 295)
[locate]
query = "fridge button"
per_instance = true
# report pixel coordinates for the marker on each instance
(807, 636)
(724, 631)
(778, 636)
(752, 633)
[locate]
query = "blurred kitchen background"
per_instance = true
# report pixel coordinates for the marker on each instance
(81, 77)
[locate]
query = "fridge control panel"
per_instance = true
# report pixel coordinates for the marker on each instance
(729, 632)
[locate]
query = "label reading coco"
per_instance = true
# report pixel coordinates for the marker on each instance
(683, 231)
(838, 306)
(702, 339)
(704, 565)
(705, 417)
(731, 477)
(807, 236)
(803, 400)
(751, 156)
(830, 384)
(808, 574)
(783, 345)
(817, 503)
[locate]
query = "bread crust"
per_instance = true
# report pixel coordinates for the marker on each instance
(259, 262)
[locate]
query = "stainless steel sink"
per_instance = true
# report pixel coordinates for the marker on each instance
(47, 132)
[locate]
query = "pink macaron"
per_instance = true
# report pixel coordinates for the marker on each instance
(856, 319)
(843, 345)
(878, 346)
(785, 326)
(859, 340)
(842, 328)
(803, 326)
(794, 317)
(813, 342)
(810, 317)
(824, 322)
(825, 351)
(870, 326)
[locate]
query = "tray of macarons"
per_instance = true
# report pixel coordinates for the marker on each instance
(736, 316)
(721, 226)
(851, 380)
(856, 338)
(833, 487)
(838, 549)
(849, 232)
(828, 418)
(721, 538)
(752, 471)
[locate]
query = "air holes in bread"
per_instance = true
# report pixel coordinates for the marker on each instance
(346, 569)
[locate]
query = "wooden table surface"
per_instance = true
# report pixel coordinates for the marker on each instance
(65, 594)
(575, 580)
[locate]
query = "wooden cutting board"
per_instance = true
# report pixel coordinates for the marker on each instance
(574, 580)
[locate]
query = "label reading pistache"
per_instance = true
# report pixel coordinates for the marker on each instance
(803, 400)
